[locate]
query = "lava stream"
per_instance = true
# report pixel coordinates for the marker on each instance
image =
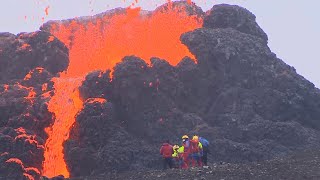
(65, 104)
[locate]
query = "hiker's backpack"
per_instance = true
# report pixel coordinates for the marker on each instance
(204, 142)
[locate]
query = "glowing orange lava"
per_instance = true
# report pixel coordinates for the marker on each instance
(98, 45)
(96, 100)
(65, 104)
(6, 87)
(50, 39)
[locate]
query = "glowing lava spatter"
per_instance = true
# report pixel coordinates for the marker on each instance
(99, 45)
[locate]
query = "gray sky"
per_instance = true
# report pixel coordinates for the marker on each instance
(293, 26)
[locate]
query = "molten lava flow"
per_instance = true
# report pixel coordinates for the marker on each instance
(65, 104)
(99, 45)
(96, 100)
(103, 43)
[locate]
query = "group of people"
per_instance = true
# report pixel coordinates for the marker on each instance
(192, 152)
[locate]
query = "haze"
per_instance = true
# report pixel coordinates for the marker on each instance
(293, 26)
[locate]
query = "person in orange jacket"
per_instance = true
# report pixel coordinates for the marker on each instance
(166, 151)
(185, 151)
(196, 151)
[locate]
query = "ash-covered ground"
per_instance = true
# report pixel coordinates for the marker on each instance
(302, 165)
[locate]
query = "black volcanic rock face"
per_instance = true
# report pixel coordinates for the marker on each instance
(239, 95)
(98, 79)
(255, 92)
(99, 144)
(26, 51)
(235, 17)
(28, 62)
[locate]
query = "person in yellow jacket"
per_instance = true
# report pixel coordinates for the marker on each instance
(175, 151)
(177, 156)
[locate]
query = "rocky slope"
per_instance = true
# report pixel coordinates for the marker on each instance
(303, 165)
(28, 63)
(247, 102)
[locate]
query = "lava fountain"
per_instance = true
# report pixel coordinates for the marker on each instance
(100, 43)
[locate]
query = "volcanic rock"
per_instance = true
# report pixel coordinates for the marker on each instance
(248, 103)
(28, 63)
(303, 165)
(13, 169)
(98, 144)
(37, 76)
(100, 80)
(235, 17)
(26, 51)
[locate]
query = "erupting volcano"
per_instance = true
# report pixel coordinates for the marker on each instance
(95, 97)
(98, 43)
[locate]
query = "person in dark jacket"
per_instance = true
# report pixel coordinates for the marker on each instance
(166, 151)
(205, 145)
